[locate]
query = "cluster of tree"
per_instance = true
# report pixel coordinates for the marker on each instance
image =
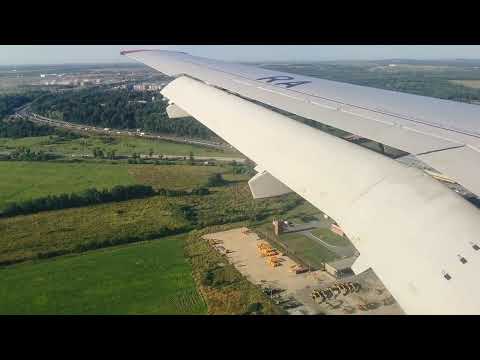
(243, 169)
(87, 197)
(25, 154)
(174, 193)
(102, 154)
(93, 196)
(10, 102)
(139, 160)
(189, 212)
(119, 109)
(24, 128)
(216, 180)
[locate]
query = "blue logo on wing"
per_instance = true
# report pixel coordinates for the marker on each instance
(282, 80)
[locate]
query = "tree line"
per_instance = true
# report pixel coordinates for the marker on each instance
(118, 109)
(25, 154)
(24, 128)
(92, 196)
(84, 198)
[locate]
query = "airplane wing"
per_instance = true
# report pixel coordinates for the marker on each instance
(444, 134)
(420, 237)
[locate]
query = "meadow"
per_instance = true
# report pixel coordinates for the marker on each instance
(307, 249)
(179, 176)
(121, 145)
(53, 233)
(23, 180)
(331, 238)
(59, 232)
(145, 278)
(99, 259)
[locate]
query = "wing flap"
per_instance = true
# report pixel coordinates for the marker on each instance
(462, 164)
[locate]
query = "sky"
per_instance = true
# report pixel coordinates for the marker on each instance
(63, 54)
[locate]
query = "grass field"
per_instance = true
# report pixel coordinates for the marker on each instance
(308, 249)
(475, 84)
(331, 238)
(122, 146)
(145, 278)
(22, 180)
(179, 176)
(30, 236)
(71, 230)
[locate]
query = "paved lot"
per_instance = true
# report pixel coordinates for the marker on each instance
(243, 254)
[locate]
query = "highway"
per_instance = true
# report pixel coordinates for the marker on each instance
(26, 114)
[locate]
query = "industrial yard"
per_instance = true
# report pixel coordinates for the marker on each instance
(293, 287)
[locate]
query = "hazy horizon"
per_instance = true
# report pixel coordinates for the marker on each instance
(18, 55)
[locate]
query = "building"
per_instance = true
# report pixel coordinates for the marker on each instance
(278, 226)
(340, 268)
(139, 87)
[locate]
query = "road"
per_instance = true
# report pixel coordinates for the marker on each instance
(25, 113)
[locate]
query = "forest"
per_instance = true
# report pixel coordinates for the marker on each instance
(119, 109)
(9, 102)
(19, 128)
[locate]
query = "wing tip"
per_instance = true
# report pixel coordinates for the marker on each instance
(125, 52)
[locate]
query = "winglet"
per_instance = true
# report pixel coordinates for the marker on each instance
(124, 52)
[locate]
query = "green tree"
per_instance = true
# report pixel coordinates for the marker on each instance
(216, 180)
(191, 159)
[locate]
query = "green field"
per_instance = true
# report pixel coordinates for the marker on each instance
(331, 238)
(22, 180)
(307, 249)
(71, 230)
(179, 176)
(63, 231)
(145, 278)
(122, 146)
